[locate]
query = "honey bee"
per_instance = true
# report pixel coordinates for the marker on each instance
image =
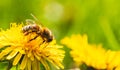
(44, 32)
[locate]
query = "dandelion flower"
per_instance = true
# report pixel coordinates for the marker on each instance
(82, 52)
(29, 55)
(90, 54)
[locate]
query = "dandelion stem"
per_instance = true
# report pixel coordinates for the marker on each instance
(9, 66)
(16, 67)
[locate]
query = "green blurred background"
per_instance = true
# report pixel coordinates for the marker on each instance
(99, 19)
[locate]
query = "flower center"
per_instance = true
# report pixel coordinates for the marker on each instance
(33, 41)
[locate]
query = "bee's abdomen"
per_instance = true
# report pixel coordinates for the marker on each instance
(47, 34)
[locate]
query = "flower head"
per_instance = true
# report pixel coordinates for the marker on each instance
(92, 55)
(18, 47)
(82, 52)
(78, 44)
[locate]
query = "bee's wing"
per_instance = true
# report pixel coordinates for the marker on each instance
(29, 21)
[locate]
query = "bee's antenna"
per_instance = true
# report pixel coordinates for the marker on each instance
(34, 17)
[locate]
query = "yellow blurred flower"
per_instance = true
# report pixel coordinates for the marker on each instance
(15, 46)
(92, 55)
(113, 59)
(77, 43)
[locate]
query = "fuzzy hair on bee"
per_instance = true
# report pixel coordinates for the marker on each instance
(44, 32)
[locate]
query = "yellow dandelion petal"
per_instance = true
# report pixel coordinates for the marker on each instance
(43, 61)
(56, 66)
(32, 57)
(29, 53)
(38, 53)
(42, 46)
(55, 61)
(5, 52)
(19, 49)
(24, 62)
(17, 59)
(59, 64)
(118, 67)
(29, 64)
(11, 55)
(38, 58)
(110, 56)
(115, 61)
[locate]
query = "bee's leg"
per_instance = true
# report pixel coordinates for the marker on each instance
(46, 43)
(42, 41)
(33, 38)
(26, 33)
